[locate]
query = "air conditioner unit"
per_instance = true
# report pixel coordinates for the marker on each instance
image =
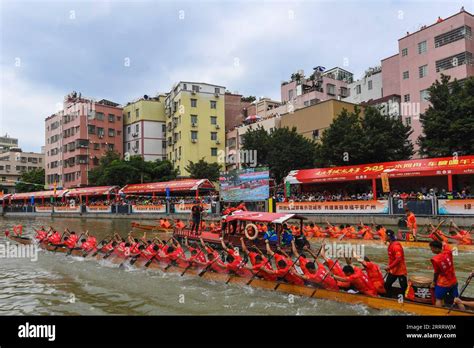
(193, 140)
(217, 126)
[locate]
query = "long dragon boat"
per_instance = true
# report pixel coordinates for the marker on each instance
(380, 303)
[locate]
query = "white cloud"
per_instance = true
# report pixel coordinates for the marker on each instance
(24, 106)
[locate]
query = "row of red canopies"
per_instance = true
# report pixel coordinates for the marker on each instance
(186, 185)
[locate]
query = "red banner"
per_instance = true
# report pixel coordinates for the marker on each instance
(343, 207)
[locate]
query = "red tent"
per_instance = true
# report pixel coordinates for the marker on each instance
(36, 195)
(411, 168)
(174, 186)
(92, 191)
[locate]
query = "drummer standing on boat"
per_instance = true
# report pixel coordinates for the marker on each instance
(196, 212)
(396, 268)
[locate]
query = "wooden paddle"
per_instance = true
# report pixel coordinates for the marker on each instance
(191, 263)
(60, 240)
(70, 250)
(329, 271)
(98, 250)
(154, 256)
(287, 272)
(208, 266)
(466, 284)
(262, 267)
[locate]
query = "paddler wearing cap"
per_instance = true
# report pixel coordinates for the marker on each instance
(396, 268)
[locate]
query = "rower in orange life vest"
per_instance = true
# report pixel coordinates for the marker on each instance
(373, 273)
(235, 263)
(41, 234)
(396, 267)
(261, 265)
(462, 236)
(411, 222)
(179, 224)
(164, 223)
(214, 261)
(358, 280)
(435, 234)
(55, 237)
(196, 253)
(444, 279)
(71, 239)
(285, 266)
(381, 232)
(314, 276)
(336, 269)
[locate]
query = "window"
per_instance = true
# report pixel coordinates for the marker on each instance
(195, 88)
(163, 128)
(406, 75)
(163, 144)
(422, 71)
(424, 95)
(136, 145)
(100, 132)
(406, 98)
(213, 104)
(369, 85)
(99, 116)
(344, 93)
(213, 119)
(128, 146)
(217, 90)
(194, 135)
(194, 119)
(91, 129)
(454, 61)
(331, 89)
(404, 52)
(128, 130)
(111, 132)
(213, 135)
(213, 151)
(421, 47)
(358, 89)
(408, 120)
(137, 113)
(111, 118)
(290, 94)
(111, 147)
(128, 115)
(315, 134)
(185, 87)
(453, 35)
(194, 103)
(137, 128)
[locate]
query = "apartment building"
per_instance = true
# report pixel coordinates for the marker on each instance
(321, 85)
(144, 128)
(78, 136)
(13, 163)
(195, 122)
(369, 87)
(443, 47)
(7, 142)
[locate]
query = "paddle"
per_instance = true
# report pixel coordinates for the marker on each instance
(208, 266)
(466, 284)
(98, 250)
(329, 271)
(255, 274)
(70, 250)
(190, 263)
(154, 256)
(287, 272)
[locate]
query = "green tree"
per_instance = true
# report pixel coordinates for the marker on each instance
(289, 150)
(342, 142)
(354, 139)
(257, 139)
(448, 123)
(112, 170)
(204, 170)
(31, 181)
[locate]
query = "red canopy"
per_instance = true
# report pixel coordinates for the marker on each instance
(4, 196)
(39, 194)
(91, 191)
(176, 186)
(277, 218)
(418, 167)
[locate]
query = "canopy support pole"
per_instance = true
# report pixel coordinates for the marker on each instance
(374, 188)
(450, 182)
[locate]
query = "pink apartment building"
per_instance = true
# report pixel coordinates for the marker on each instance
(444, 47)
(320, 86)
(78, 136)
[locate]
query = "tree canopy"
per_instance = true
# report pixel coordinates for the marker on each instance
(31, 181)
(112, 170)
(353, 138)
(204, 170)
(448, 123)
(281, 150)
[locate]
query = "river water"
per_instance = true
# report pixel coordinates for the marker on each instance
(57, 284)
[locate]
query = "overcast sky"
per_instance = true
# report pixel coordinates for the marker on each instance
(120, 50)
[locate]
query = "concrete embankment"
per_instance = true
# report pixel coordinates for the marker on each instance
(461, 221)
